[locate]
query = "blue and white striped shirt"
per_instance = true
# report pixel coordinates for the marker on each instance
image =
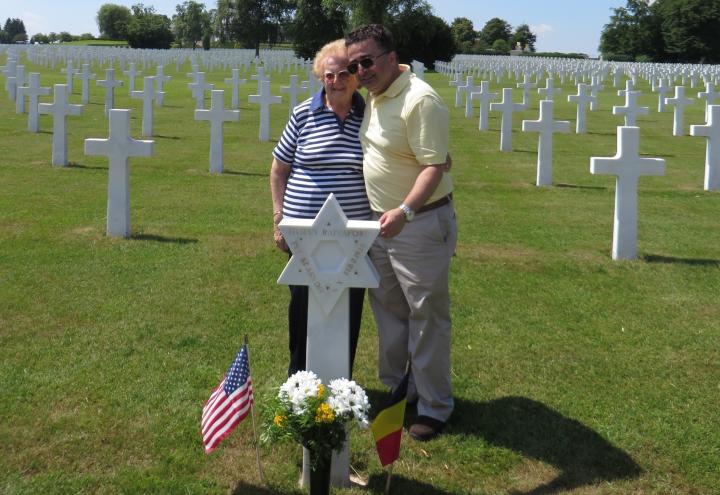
(326, 157)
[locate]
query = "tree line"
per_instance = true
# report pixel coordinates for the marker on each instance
(497, 36)
(663, 31)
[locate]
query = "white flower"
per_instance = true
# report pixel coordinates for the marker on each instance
(347, 398)
(298, 388)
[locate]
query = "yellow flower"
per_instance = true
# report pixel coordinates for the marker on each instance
(279, 420)
(321, 390)
(324, 414)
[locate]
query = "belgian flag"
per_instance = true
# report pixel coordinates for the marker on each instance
(387, 427)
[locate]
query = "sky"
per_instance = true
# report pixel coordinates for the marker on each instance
(560, 25)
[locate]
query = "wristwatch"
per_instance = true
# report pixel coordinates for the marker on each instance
(409, 213)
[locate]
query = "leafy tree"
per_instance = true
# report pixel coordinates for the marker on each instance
(524, 36)
(87, 36)
(316, 23)
(501, 46)
(690, 29)
(260, 21)
(14, 30)
(4, 38)
(420, 35)
(464, 34)
(191, 23)
(148, 29)
(40, 38)
(633, 31)
(496, 29)
(223, 19)
(113, 21)
(65, 37)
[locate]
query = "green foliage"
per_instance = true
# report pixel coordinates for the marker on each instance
(524, 36)
(501, 46)
(148, 29)
(113, 21)
(14, 30)
(690, 30)
(316, 23)
(463, 34)
(40, 38)
(260, 21)
(191, 23)
(496, 29)
(65, 37)
(420, 35)
(665, 31)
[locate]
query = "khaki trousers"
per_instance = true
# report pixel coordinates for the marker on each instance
(412, 307)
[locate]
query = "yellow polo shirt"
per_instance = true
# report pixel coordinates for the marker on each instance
(404, 128)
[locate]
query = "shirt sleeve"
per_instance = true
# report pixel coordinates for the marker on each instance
(285, 149)
(428, 130)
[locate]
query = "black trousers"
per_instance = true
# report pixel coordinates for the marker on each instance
(297, 325)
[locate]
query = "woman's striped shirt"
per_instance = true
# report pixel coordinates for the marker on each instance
(326, 157)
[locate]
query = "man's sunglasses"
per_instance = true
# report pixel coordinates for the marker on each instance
(366, 63)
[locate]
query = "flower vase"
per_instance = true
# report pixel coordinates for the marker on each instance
(320, 464)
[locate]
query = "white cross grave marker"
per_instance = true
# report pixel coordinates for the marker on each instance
(70, 72)
(33, 91)
(549, 91)
(131, 74)
(217, 115)
(711, 131)
(679, 101)
(85, 76)
(264, 99)
(581, 99)
(627, 166)
(147, 95)
(662, 88)
(59, 109)
(236, 82)
(329, 255)
(526, 86)
(507, 107)
(198, 89)
(19, 85)
(109, 83)
(595, 87)
(485, 97)
(631, 109)
(546, 127)
(160, 80)
(119, 147)
(708, 96)
(292, 90)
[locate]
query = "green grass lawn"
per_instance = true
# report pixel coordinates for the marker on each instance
(573, 373)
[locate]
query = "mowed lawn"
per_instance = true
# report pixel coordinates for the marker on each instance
(573, 373)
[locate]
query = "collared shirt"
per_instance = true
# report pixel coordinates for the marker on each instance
(326, 157)
(404, 129)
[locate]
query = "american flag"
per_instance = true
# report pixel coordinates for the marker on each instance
(229, 403)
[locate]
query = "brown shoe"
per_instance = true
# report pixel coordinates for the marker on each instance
(426, 428)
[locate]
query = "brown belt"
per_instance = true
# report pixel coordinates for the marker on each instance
(436, 204)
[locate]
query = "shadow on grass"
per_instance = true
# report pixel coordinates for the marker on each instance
(655, 258)
(400, 484)
(248, 174)
(78, 165)
(160, 238)
(580, 186)
(243, 488)
(160, 136)
(602, 133)
(537, 431)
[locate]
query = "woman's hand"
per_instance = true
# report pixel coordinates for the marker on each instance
(277, 235)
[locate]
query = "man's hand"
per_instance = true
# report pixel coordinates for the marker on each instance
(392, 222)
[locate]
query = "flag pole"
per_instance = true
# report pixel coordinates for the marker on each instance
(255, 437)
(389, 477)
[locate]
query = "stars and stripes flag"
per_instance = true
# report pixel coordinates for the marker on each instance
(229, 403)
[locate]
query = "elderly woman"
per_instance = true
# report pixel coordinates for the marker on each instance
(319, 153)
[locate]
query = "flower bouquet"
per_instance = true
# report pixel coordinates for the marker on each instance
(316, 416)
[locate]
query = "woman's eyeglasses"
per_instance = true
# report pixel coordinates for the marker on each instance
(336, 76)
(366, 63)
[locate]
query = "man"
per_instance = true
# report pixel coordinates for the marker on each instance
(405, 143)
